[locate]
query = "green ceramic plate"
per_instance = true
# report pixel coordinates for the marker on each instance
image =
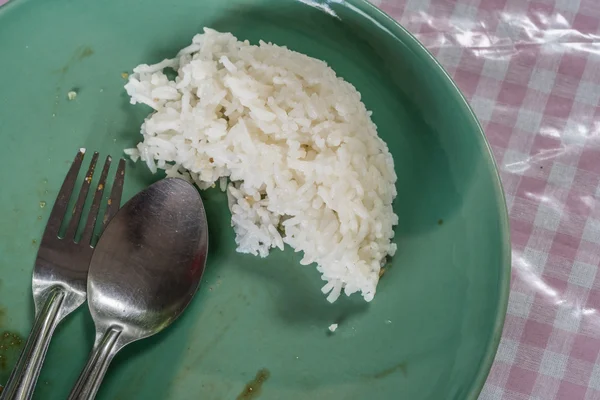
(433, 328)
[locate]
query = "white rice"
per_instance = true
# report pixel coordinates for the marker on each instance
(292, 144)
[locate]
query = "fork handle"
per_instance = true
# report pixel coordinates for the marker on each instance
(22, 380)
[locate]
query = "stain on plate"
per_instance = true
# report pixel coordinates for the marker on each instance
(253, 387)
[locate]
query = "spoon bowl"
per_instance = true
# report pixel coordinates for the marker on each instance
(144, 272)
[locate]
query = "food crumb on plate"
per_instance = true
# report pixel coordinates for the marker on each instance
(333, 327)
(71, 95)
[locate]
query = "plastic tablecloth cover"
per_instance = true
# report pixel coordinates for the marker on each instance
(531, 71)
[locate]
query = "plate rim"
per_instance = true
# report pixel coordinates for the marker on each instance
(402, 34)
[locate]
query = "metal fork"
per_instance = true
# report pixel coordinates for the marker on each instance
(60, 272)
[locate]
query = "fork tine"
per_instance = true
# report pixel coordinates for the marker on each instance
(88, 231)
(114, 202)
(77, 210)
(62, 200)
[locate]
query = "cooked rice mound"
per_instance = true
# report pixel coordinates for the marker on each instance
(290, 142)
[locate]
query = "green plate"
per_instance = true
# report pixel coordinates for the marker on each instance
(433, 328)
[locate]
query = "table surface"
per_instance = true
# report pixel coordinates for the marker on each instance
(531, 71)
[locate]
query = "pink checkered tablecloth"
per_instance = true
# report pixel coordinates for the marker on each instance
(531, 71)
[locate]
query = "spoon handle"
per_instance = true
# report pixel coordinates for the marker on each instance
(22, 381)
(93, 373)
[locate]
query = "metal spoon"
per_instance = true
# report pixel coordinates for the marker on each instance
(145, 270)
